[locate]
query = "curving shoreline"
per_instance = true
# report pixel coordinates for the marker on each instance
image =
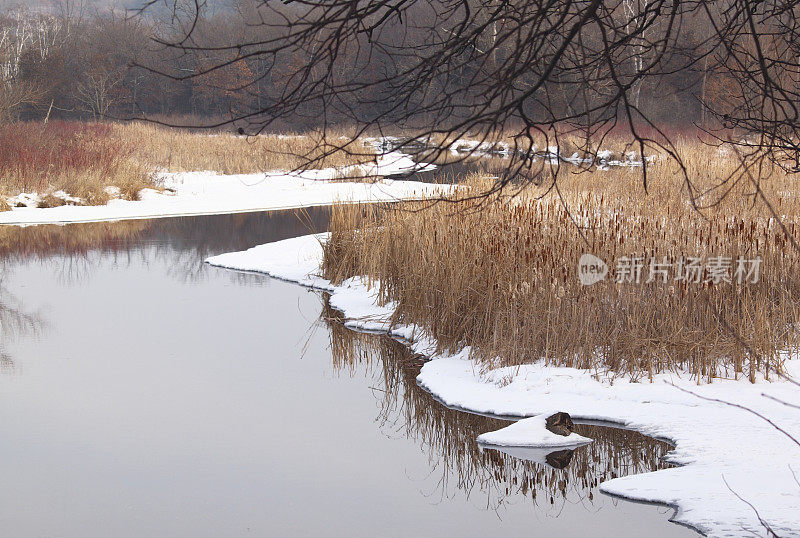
(716, 445)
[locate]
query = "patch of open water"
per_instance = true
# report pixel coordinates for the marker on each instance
(143, 393)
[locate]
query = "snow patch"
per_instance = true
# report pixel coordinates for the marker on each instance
(24, 199)
(296, 260)
(532, 432)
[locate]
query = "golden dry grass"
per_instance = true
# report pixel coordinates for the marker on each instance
(82, 159)
(50, 200)
(502, 276)
(88, 184)
(179, 150)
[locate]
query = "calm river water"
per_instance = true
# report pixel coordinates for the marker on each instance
(143, 393)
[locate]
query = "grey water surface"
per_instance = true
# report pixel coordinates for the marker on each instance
(144, 393)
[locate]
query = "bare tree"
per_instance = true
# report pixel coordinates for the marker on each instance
(450, 68)
(18, 33)
(458, 67)
(97, 90)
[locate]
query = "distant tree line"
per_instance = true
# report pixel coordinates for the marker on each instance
(69, 61)
(72, 62)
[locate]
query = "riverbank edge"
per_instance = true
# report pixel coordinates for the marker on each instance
(716, 446)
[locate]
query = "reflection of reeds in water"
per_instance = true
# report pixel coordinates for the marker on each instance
(449, 435)
(68, 248)
(74, 239)
(184, 242)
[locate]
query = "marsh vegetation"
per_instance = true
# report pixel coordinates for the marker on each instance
(67, 162)
(499, 273)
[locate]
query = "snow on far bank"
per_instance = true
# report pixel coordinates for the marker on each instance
(203, 193)
(532, 432)
(602, 160)
(727, 456)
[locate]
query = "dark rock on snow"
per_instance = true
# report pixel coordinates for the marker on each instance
(560, 423)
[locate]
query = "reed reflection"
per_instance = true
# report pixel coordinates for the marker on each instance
(14, 321)
(75, 250)
(548, 479)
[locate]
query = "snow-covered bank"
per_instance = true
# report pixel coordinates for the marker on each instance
(728, 457)
(203, 193)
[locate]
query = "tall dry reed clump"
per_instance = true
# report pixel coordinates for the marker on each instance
(502, 276)
(81, 159)
(181, 150)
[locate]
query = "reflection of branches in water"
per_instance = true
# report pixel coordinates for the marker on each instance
(76, 250)
(449, 435)
(187, 242)
(7, 365)
(13, 323)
